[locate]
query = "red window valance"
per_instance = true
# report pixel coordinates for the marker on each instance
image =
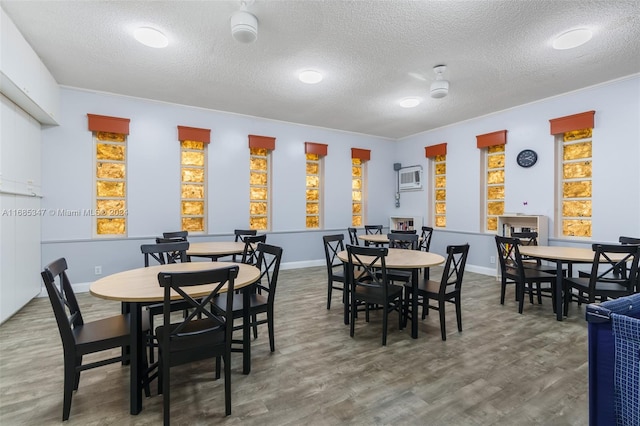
(103, 123)
(492, 139)
(194, 134)
(435, 150)
(584, 120)
(362, 154)
(262, 142)
(315, 148)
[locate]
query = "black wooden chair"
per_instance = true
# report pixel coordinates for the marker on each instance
(353, 236)
(240, 235)
(81, 338)
(609, 278)
(202, 334)
(448, 289)
(371, 285)
(250, 254)
(176, 235)
(372, 230)
(333, 244)
(425, 244)
(261, 301)
(404, 241)
(512, 270)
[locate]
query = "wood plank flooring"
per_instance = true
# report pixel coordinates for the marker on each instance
(503, 369)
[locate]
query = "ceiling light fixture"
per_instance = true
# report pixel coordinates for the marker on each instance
(310, 76)
(151, 37)
(244, 25)
(409, 102)
(440, 87)
(572, 38)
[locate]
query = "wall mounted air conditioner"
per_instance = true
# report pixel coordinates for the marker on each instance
(410, 178)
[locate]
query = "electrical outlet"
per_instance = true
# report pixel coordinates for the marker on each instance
(492, 259)
(98, 270)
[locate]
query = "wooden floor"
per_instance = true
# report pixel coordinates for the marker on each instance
(503, 369)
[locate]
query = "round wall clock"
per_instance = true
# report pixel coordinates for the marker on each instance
(527, 158)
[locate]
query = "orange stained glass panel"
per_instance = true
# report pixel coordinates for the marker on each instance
(313, 222)
(496, 176)
(441, 221)
(356, 184)
(190, 191)
(356, 161)
(192, 175)
(313, 157)
(257, 193)
(356, 208)
(492, 224)
(192, 158)
(356, 221)
(441, 182)
(110, 171)
(258, 178)
(312, 168)
(577, 134)
(259, 209)
(576, 228)
(110, 189)
(258, 164)
(111, 207)
(356, 171)
(441, 194)
(257, 222)
(581, 169)
(495, 208)
(576, 208)
(356, 195)
(110, 226)
(313, 182)
(579, 189)
(313, 208)
(439, 158)
(441, 208)
(577, 151)
(110, 137)
(258, 151)
(193, 224)
(313, 195)
(192, 145)
(441, 168)
(193, 208)
(495, 161)
(495, 148)
(495, 193)
(106, 151)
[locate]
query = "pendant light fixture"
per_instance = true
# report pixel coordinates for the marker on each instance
(440, 87)
(244, 25)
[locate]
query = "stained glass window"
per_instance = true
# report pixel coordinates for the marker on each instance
(575, 183)
(314, 190)
(440, 190)
(494, 185)
(259, 173)
(193, 181)
(111, 183)
(357, 181)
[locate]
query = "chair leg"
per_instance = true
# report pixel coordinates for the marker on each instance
(152, 341)
(165, 390)
(272, 335)
(330, 287)
(254, 320)
(385, 319)
(520, 294)
(218, 362)
(443, 326)
(69, 384)
(399, 305)
(459, 313)
(352, 321)
(227, 383)
(425, 307)
(76, 380)
(530, 286)
(539, 291)
(503, 290)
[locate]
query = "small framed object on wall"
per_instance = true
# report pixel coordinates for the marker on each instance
(527, 158)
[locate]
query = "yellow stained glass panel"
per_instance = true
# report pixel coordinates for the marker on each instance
(111, 137)
(258, 178)
(576, 208)
(496, 176)
(193, 224)
(110, 226)
(356, 171)
(258, 208)
(441, 181)
(111, 207)
(110, 171)
(356, 196)
(356, 208)
(313, 195)
(313, 208)
(258, 151)
(356, 161)
(191, 158)
(577, 150)
(356, 184)
(440, 158)
(495, 193)
(495, 208)
(495, 161)
(192, 145)
(106, 151)
(579, 189)
(312, 168)
(441, 221)
(441, 194)
(577, 134)
(193, 208)
(192, 175)
(313, 222)
(314, 157)
(356, 221)
(495, 148)
(492, 223)
(580, 169)
(313, 181)
(441, 168)
(110, 189)
(257, 223)
(258, 193)
(576, 228)
(192, 191)
(441, 208)
(258, 164)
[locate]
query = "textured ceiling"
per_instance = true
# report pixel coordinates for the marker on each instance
(372, 53)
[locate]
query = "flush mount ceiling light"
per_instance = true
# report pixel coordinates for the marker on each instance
(440, 87)
(571, 39)
(409, 102)
(151, 37)
(244, 25)
(310, 76)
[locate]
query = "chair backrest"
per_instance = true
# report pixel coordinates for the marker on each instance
(176, 235)
(453, 270)
(165, 253)
(425, 238)
(526, 238)
(240, 234)
(269, 258)
(249, 254)
(333, 244)
(403, 231)
(509, 256)
(63, 300)
(623, 271)
(629, 240)
(373, 269)
(353, 236)
(403, 241)
(199, 308)
(373, 229)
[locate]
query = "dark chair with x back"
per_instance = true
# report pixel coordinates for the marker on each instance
(372, 230)
(401, 240)
(240, 235)
(333, 244)
(80, 338)
(614, 273)
(261, 302)
(403, 231)
(202, 334)
(353, 236)
(250, 255)
(512, 270)
(371, 285)
(531, 239)
(425, 244)
(177, 235)
(447, 289)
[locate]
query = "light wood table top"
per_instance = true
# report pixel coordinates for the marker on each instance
(378, 238)
(141, 285)
(404, 259)
(568, 254)
(215, 248)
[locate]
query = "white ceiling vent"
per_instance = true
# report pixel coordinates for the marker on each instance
(410, 178)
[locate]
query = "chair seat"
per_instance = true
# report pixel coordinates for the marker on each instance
(257, 302)
(374, 294)
(432, 288)
(104, 333)
(531, 274)
(601, 286)
(550, 269)
(399, 275)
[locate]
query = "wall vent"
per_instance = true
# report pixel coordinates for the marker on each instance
(410, 178)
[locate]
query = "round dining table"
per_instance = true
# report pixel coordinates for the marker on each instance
(139, 287)
(215, 249)
(399, 259)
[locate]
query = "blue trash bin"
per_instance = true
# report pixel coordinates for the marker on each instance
(614, 362)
